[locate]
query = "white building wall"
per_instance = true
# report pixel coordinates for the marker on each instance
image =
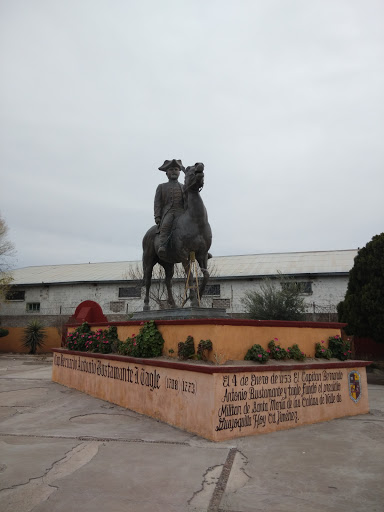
(327, 292)
(63, 299)
(330, 290)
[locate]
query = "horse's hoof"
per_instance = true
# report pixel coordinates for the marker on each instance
(146, 307)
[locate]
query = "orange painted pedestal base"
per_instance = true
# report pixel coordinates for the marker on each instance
(219, 402)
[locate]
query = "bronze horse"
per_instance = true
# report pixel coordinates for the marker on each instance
(191, 232)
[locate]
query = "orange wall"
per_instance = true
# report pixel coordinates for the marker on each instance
(231, 342)
(13, 343)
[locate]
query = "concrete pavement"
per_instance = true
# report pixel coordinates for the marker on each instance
(62, 450)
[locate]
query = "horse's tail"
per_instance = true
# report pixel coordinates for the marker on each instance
(149, 253)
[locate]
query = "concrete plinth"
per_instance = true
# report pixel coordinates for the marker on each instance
(219, 402)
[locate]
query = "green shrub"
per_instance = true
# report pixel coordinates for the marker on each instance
(33, 336)
(186, 349)
(257, 353)
(295, 353)
(275, 300)
(84, 328)
(3, 332)
(148, 343)
(111, 333)
(203, 347)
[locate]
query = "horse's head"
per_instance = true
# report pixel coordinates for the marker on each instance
(194, 177)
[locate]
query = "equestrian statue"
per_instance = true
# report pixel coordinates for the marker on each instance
(182, 233)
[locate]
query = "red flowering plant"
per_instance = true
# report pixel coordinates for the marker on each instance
(321, 351)
(337, 347)
(340, 348)
(85, 340)
(276, 351)
(279, 353)
(76, 340)
(128, 347)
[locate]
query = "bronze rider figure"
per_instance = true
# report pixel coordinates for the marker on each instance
(169, 202)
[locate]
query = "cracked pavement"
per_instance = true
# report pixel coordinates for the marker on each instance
(61, 449)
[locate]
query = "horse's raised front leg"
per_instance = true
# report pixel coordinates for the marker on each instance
(169, 270)
(203, 264)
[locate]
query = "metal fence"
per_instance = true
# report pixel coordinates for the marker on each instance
(322, 312)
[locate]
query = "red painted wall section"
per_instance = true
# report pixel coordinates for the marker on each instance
(88, 311)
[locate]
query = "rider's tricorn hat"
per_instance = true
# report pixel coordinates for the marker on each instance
(171, 163)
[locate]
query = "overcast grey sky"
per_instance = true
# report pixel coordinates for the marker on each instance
(282, 101)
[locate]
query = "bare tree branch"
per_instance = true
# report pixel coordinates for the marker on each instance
(7, 253)
(158, 291)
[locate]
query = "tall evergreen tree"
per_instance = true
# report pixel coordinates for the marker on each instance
(363, 306)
